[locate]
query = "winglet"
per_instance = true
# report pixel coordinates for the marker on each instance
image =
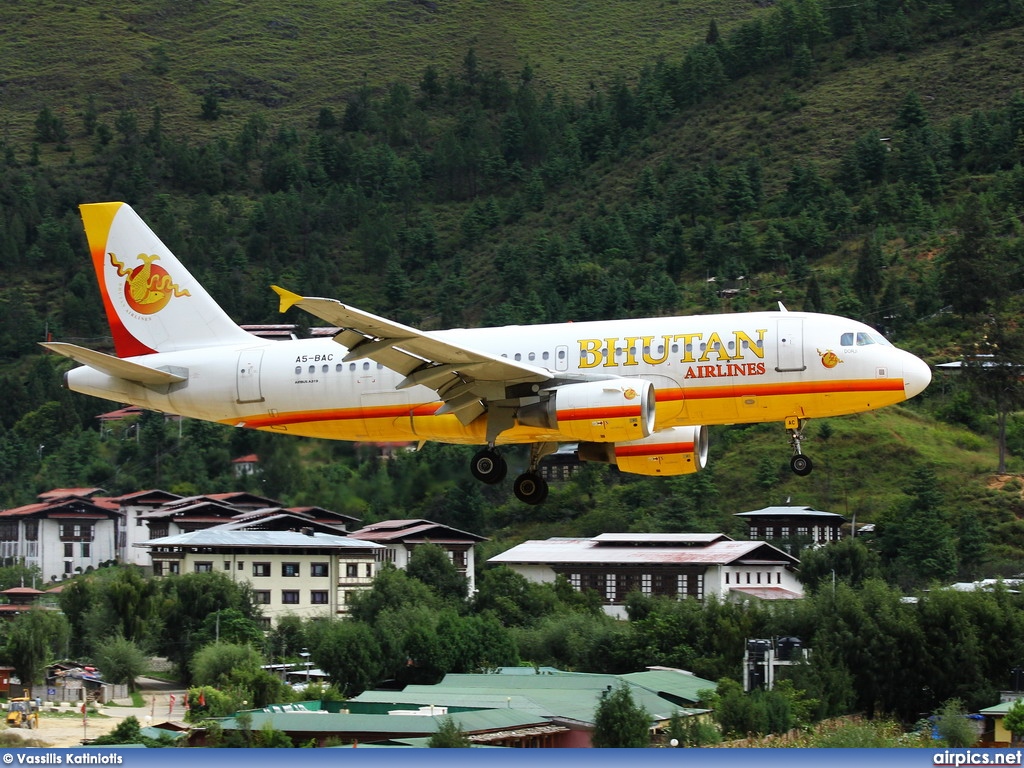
(288, 299)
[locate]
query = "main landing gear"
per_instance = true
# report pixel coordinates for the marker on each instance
(800, 464)
(489, 466)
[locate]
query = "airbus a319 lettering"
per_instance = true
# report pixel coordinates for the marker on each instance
(637, 393)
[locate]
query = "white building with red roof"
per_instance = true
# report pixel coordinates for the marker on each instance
(64, 533)
(679, 565)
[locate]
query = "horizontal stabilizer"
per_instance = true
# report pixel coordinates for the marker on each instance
(114, 366)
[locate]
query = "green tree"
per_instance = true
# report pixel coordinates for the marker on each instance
(35, 638)
(121, 660)
(448, 735)
(953, 726)
(348, 652)
(619, 721)
(215, 664)
(430, 564)
(1013, 720)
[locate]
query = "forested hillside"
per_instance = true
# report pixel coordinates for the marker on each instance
(450, 165)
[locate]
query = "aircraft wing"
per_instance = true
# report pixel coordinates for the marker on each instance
(464, 378)
(114, 366)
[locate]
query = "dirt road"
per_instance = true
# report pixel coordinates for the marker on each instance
(67, 731)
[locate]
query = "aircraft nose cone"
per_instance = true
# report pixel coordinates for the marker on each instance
(917, 375)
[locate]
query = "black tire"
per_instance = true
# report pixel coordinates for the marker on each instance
(801, 465)
(530, 488)
(488, 466)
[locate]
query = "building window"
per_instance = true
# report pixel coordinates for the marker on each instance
(289, 569)
(352, 570)
(68, 567)
(318, 569)
(76, 532)
(9, 530)
(203, 566)
(69, 550)
(610, 592)
(241, 565)
(290, 596)
(318, 597)
(261, 569)
(261, 596)
(645, 583)
(369, 570)
(31, 530)
(174, 567)
(574, 581)
(86, 549)
(227, 565)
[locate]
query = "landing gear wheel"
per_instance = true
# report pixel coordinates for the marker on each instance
(801, 465)
(530, 488)
(488, 466)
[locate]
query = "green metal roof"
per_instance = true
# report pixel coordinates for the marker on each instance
(569, 695)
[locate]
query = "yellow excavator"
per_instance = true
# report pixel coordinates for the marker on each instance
(22, 712)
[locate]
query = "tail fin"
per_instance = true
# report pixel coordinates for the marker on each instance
(153, 304)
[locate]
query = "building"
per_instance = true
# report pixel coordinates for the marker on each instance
(680, 565)
(64, 533)
(401, 537)
(302, 573)
(246, 465)
(795, 527)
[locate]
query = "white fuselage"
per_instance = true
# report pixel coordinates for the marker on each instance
(707, 369)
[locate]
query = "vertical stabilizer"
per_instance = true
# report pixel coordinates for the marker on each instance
(152, 303)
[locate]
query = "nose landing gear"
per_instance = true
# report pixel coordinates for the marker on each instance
(800, 464)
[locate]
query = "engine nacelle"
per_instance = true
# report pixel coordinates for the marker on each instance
(672, 451)
(606, 411)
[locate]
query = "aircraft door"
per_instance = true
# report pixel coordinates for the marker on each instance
(790, 345)
(248, 376)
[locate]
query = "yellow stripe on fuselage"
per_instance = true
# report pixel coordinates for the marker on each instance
(739, 403)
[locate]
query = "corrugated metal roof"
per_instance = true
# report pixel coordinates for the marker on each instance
(789, 512)
(661, 538)
(218, 537)
(587, 552)
(569, 695)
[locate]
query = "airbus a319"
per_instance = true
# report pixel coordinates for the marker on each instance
(637, 393)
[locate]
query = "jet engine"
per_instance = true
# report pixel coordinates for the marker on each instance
(672, 451)
(604, 411)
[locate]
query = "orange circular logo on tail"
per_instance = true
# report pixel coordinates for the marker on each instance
(148, 287)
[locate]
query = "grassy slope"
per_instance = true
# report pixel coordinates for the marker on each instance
(294, 57)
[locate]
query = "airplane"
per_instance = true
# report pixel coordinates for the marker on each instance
(637, 393)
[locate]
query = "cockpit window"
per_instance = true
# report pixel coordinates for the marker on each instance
(862, 339)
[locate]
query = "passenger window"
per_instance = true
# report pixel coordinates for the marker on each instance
(325, 369)
(339, 368)
(312, 369)
(532, 356)
(298, 370)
